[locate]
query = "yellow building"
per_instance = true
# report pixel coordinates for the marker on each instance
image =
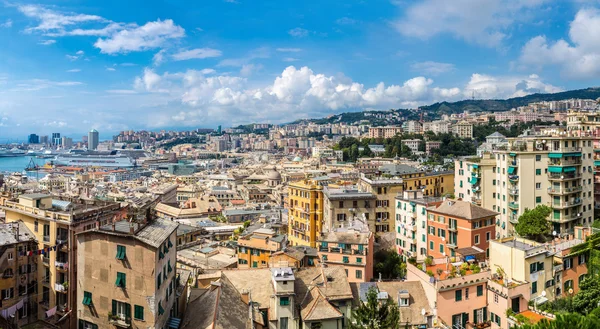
(128, 276)
(255, 249)
(305, 213)
(54, 223)
(18, 278)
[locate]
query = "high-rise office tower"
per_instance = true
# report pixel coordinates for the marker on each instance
(93, 139)
(56, 139)
(33, 139)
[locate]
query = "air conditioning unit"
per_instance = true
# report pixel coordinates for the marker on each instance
(443, 239)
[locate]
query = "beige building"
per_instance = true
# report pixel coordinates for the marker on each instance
(54, 223)
(463, 129)
(413, 144)
(128, 276)
(384, 132)
(342, 205)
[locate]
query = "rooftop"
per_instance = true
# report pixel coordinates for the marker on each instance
(15, 232)
(462, 209)
(153, 233)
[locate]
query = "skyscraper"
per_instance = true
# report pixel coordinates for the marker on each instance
(56, 139)
(33, 139)
(93, 139)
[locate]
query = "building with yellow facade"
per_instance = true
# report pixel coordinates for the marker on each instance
(255, 249)
(305, 213)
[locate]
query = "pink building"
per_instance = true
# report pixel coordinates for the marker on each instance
(351, 248)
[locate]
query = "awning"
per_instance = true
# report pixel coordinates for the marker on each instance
(511, 170)
(569, 169)
(469, 258)
(555, 155)
(540, 300)
(596, 163)
(555, 169)
(475, 166)
(513, 154)
(573, 154)
(473, 180)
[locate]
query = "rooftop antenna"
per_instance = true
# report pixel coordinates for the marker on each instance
(473, 95)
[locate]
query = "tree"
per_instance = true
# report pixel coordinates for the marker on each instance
(533, 223)
(588, 297)
(367, 152)
(389, 265)
(375, 315)
(568, 320)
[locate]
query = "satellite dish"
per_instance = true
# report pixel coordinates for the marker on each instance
(544, 293)
(570, 291)
(554, 233)
(423, 312)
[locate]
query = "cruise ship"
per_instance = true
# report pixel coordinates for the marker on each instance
(110, 160)
(14, 152)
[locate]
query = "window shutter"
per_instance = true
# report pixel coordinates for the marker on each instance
(128, 312)
(114, 307)
(465, 318)
(474, 316)
(80, 324)
(484, 314)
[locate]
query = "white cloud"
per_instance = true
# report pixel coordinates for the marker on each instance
(198, 53)
(121, 91)
(489, 87)
(577, 59)
(288, 50)
(257, 53)
(51, 21)
(480, 22)
(248, 69)
(432, 68)
(79, 53)
(57, 124)
(298, 32)
(159, 57)
(148, 36)
(111, 69)
(345, 21)
(74, 70)
(128, 64)
(300, 92)
(290, 59)
(8, 23)
(47, 42)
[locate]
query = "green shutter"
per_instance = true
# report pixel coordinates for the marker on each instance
(170, 244)
(465, 319)
(160, 254)
(121, 252)
(158, 280)
(485, 314)
(128, 312)
(87, 298)
(474, 316)
(160, 309)
(138, 312)
(114, 307)
(169, 264)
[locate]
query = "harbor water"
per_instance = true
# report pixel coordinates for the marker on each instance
(18, 164)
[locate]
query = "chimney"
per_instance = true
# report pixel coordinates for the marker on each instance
(97, 225)
(131, 228)
(245, 295)
(379, 280)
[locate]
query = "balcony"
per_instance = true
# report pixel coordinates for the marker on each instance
(46, 238)
(46, 261)
(45, 303)
(61, 240)
(563, 162)
(565, 190)
(563, 176)
(61, 266)
(119, 321)
(514, 191)
(513, 178)
(562, 205)
(513, 205)
(64, 287)
(451, 244)
(452, 228)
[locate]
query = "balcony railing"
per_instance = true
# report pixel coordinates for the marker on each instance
(565, 204)
(513, 205)
(46, 238)
(563, 176)
(63, 266)
(565, 190)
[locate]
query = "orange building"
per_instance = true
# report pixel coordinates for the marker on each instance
(351, 248)
(455, 224)
(255, 249)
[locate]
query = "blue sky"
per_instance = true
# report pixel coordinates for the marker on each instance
(69, 66)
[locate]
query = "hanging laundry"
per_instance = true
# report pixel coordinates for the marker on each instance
(50, 313)
(20, 305)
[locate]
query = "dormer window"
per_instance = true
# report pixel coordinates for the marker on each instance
(284, 282)
(404, 302)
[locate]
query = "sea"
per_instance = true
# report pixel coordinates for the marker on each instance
(18, 164)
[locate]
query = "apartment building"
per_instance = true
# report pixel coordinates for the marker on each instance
(54, 223)
(18, 273)
(545, 170)
(255, 249)
(342, 205)
(350, 248)
(463, 129)
(583, 121)
(473, 176)
(411, 223)
(413, 144)
(457, 297)
(384, 132)
(431, 145)
(305, 213)
(128, 276)
(385, 190)
(413, 127)
(438, 127)
(455, 224)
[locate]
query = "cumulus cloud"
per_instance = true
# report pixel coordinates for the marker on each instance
(432, 68)
(298, 32)
(47, 42)
(50, 21)
(148, 36)
(577, 59)
(198, 53)
(300, 92)
(479, 22)
(8, 23)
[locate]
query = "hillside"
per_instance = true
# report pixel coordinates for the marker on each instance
(433, 111)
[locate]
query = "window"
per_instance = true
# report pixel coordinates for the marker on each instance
(35, 226)
(87, 298)
(441, 248)
(403, 302)
(283, 323)
(534, 287)
(496, 298)
(582, 259)
(538, 199)
(466, 293)
(358, 274)
(346, 259)
(341, 204)
(358, 260)
(568, 285)
(121, 310)
(138, 312)
(538, 186)
(568, 263)
(10, 256)
(487, 236)
(480, 290)
(458, 295)
(284, 301)
(120, 252)
(8, 293)
(430, 245)
(121, 281)
(477, 239)
(538, 157)
(538, 172)
(581, 278)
